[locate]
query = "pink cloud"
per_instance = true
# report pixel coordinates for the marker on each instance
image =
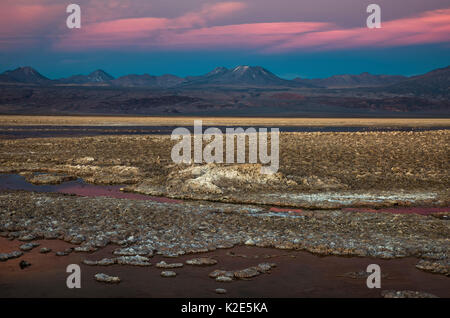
(21, 21)
(209, 12)
(430, 27)
(147, 31)
(196, 29)
(124, 26)
(241, 35)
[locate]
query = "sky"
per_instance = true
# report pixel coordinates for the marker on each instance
(291, 38)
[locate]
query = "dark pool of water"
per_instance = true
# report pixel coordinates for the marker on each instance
(79, 131)
(77, 187)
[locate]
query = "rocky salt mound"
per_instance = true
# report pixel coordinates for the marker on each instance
(104, 278)
(440, 266)
(46, 178)
(406, 294)
(214, 179)
(165, 265)
(6, 256)
(221, 275)
(168, 274)
(243, 183)
(202, 261)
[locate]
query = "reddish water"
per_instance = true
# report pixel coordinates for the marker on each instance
(298, 274)
(274, 209)
(89, 190)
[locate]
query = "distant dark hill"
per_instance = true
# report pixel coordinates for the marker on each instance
(435, 83)
(24, 74)
(350, 81)
(214, 74)
(145, 80)
(242, 75)
(98, 76)
(168, 80)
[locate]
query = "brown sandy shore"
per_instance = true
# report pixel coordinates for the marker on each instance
(218, 121)
(297, 274)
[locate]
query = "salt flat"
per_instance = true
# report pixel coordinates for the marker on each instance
(21, 120)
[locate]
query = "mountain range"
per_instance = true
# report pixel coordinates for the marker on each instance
(98, 76)
(434, 83)
(348, 80)
(146, 80)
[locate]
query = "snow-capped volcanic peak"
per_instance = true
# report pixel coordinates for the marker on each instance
(99, 76)
(241, 68)
(239, 75)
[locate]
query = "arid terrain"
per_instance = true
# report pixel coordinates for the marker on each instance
(372, 196)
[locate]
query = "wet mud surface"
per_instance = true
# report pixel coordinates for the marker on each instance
(297, 274)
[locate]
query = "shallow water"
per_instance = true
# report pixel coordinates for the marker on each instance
(39, 131)
(77, 187)
(297, 274)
